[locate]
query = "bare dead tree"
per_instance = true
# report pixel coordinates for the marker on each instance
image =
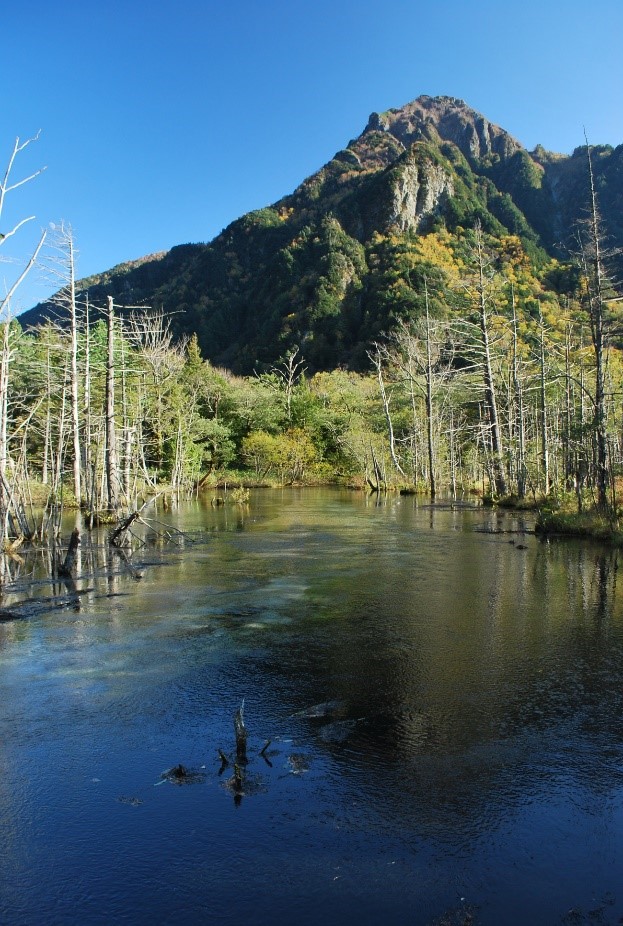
(543, 409)
(424, 354)
(149, 332)
(479, 288)
(377, 357)
(592, 260)
(289, 371)
(7, 186)
(518, 398)
(61, 269)
(112, 460)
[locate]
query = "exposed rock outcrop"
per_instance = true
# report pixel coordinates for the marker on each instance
(448, 119)
(420, 192)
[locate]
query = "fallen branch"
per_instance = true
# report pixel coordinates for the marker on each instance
(148, 522)
(113, 539)
(127, 522)
(497, 530)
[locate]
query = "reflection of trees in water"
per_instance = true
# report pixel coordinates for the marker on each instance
(34, 584)
(476, 688)
(607, 568)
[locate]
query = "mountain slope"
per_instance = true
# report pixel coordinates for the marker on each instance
(325, 268)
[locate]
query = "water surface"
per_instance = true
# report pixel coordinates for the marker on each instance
(443, 695)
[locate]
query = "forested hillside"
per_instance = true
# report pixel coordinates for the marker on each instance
(338, 263)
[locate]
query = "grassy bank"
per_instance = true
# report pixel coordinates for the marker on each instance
(561, 518)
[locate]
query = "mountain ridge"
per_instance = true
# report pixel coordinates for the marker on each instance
(304, 270)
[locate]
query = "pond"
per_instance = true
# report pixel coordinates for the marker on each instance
(442, 693)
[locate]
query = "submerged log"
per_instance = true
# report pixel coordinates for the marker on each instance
(6, 614)
(73, 595)
(31, 607)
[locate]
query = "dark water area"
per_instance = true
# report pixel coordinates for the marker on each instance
(443, 695)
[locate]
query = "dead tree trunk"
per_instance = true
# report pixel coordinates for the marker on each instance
(522, 474)
(75, 413)
(429, 403)
(499, 477)
(112, 462)
(376, 359)
(597, 307)
(241, 735)
(543, 407)
(67, 567)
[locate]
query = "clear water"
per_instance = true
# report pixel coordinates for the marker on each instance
(445, 712)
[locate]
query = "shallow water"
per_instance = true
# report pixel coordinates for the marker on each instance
(445, 711)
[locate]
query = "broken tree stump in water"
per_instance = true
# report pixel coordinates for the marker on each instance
(241, 735)
(178, 772)
(70, 559)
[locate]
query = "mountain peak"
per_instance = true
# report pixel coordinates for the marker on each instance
(444, 118)
(330, 267)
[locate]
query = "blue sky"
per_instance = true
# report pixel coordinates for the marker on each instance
(162, 122)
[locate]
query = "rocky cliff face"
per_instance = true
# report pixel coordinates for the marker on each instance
(419, 193)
